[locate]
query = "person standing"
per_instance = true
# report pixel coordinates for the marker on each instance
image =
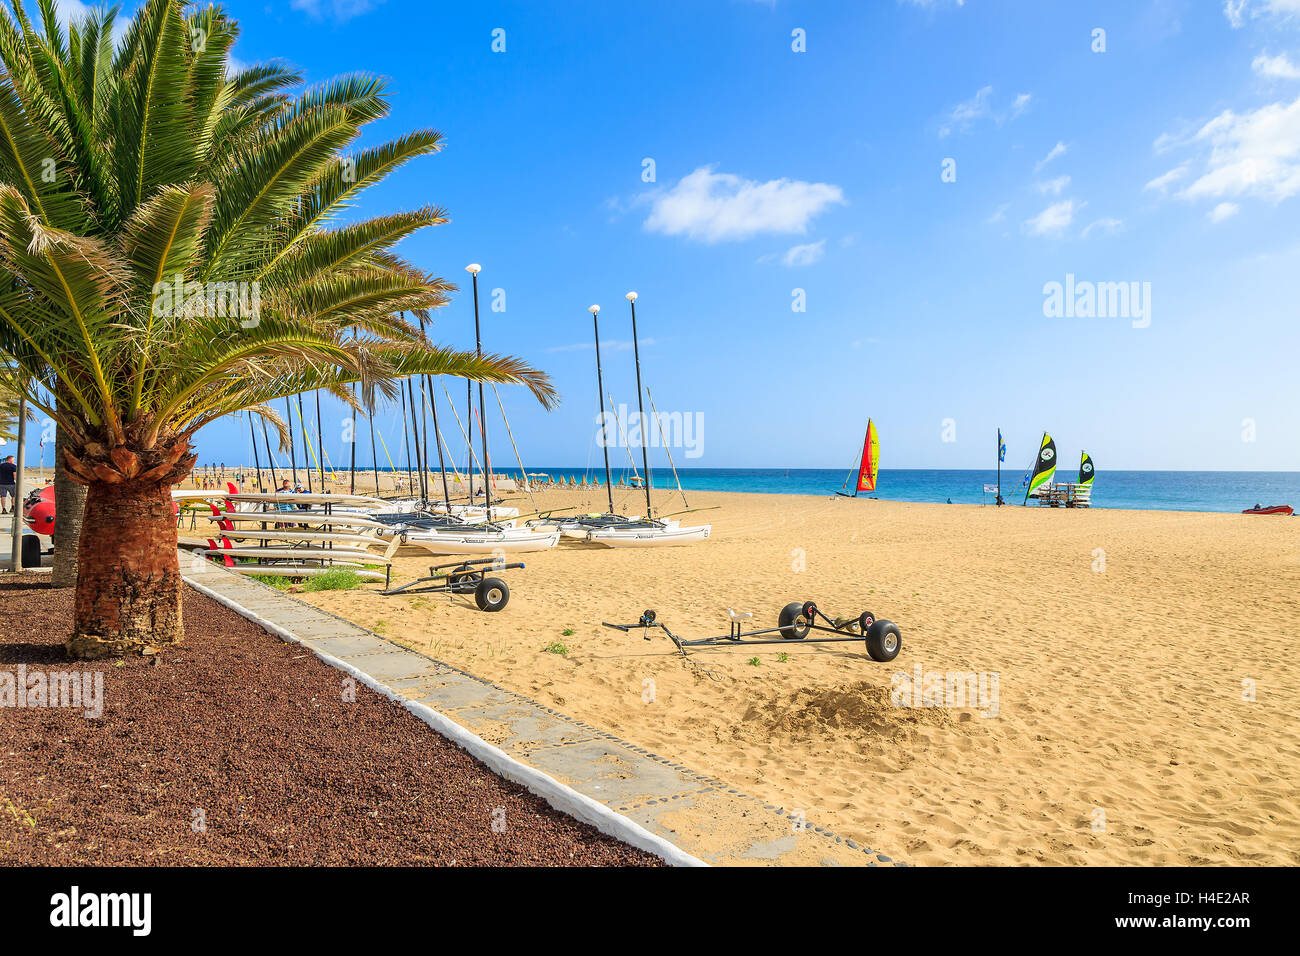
(8, 485)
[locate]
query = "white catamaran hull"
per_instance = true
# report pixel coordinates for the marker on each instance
(339, 555)
(490, 542)
(648, 537)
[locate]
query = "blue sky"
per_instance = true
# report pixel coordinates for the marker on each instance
(1172, 158)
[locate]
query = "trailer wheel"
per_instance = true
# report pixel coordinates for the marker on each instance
(460, 582)
(865, 622)
(492, 594)
(793, 624)
(884, 641)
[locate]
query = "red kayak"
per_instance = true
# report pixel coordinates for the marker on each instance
(1272, 510)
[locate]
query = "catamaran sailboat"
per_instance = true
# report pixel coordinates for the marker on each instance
(868, 464)
(623, 531)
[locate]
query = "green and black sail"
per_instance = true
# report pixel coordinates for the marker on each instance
(1044, 466)
(1086, 471)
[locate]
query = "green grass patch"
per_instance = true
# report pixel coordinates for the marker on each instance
(335, 579)
(755, 662)
(273, 580)
(556, 647)
(567, 632)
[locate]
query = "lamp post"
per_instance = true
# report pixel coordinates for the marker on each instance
(473, 269)
(600, 393)
(16, 541)
(645, 454)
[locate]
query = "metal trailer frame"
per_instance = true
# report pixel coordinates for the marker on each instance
(883, 638)
(462, 577)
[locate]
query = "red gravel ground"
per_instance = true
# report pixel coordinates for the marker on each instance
(252, 737)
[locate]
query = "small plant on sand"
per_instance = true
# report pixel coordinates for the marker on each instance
(274, 581)
(567, 632)
(754, 662)
(556, 647)
(335, 579)
(782, 657)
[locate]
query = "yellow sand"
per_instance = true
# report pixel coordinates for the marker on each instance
(1121, 734)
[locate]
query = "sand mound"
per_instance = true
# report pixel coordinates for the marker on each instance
(858, 710)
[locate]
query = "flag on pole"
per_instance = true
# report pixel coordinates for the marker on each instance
(1002, 447)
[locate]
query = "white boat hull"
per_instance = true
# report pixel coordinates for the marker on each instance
(490, 542)
(649, 537)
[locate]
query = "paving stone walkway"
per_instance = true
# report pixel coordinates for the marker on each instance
(703, 816)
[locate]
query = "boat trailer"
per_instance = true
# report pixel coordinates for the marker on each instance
(464, 577)
(796, 622)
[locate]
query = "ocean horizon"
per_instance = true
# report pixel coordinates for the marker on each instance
(1218, 491)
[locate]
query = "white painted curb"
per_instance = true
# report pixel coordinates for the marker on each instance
(560, 796)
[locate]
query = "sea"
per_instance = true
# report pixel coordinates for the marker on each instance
(1227, 491)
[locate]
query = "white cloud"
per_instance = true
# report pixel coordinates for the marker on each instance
(1224, 210)
(1163, 182)
(1237, 10)
(1058, 150)
(804, 255)
(1054, 220)
(964, 114)
(340, 10)
(1251, 154)
(1107, 226)
(69, 10)
(999, 214)
(1275, 67)
(1054, 187)
(979, 107)
(718, 207)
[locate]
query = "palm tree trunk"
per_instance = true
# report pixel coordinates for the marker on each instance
(129, 583)
(69, 505)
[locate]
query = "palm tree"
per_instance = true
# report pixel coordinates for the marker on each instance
(168, 230)
(9, 402)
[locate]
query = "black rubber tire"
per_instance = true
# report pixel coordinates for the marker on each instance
(793, 625)
(492, 594)
(884, 641)
(865, 620)
(462, 581)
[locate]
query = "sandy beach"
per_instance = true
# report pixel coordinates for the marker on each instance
(1139, 701)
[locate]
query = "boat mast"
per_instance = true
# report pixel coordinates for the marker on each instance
(473, 269)
(269, 457)
(293, 458)
(858, 472)
(320, 446)
(374, 455)
(433, 406)
(645, 454)
(406, 429)
(257, 460)
(1033, 468)
(352, 484)
(415, 428)
(306, 444)
(600, 393)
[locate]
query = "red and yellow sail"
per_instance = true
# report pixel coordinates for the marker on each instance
(870, 465)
